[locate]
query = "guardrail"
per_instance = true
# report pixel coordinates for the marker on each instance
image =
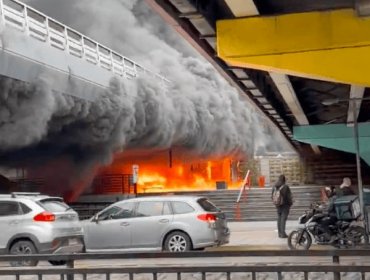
(43, 28)
(244, 186)
(228, 270)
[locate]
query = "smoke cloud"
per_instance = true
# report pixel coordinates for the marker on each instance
(199, 111)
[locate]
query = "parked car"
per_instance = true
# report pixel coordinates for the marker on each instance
(155, 223)
(33, 223)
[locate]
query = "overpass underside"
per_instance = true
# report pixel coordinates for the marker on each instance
(325, 45)
(292, 59)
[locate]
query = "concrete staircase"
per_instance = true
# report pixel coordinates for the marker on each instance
(255, 204)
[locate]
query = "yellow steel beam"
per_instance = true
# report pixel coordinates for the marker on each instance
(329, 45)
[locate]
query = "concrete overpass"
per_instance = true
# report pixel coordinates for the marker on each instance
(34, 46)
(292, 59)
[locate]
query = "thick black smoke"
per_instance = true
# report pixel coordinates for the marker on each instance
(199, 110)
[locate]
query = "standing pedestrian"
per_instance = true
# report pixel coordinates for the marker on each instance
(282, 198)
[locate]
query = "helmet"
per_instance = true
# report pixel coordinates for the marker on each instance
(329, 191)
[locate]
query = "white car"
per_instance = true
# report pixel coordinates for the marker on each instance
(169, 223)
(32, 223)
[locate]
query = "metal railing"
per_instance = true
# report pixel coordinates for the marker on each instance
(244, 186)
(180, 271)
(113, 184)
(43, 28)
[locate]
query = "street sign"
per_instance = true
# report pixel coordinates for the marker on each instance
(135, 173)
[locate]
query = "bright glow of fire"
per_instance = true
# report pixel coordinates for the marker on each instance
(163, 173)
(185, 177)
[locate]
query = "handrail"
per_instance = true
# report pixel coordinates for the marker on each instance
(70, 271)
(187, 269)
(43, 28)
(335, 253)
(243, 186)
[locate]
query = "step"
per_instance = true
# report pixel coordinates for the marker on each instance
(255, 204)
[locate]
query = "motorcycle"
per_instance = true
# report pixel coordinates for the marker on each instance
(326, 230)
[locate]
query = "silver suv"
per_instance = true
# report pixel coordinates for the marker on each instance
(32, 223)
(169, 223)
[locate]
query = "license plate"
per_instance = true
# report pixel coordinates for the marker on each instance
(73, 241)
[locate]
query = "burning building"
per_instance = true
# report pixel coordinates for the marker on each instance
(63, 141)
(166, 171)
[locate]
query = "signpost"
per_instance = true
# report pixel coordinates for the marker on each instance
(135, 176)
(243, 186)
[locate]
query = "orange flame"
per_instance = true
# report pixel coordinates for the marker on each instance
(164, 172)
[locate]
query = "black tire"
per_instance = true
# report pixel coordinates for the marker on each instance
(199, 249)
(23, 247)
(177, 241)
(356, 236)
(57, 263)
(303, 244)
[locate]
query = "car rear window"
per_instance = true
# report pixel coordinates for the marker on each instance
(25, 208)
(54, 205)
(180, 207)
(207, 205)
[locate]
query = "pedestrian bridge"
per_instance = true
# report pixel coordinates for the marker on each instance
(35, 47)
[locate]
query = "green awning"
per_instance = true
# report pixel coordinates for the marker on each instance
(336, 136)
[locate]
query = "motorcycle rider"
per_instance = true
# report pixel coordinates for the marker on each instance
(345, 187)
(331, 213)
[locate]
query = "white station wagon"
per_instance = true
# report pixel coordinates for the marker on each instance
(155, 223)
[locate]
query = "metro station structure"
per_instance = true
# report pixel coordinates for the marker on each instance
(305, 64)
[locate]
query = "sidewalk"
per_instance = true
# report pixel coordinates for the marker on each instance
(257, 235)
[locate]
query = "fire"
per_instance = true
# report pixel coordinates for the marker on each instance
(201, 175)
(173, 172)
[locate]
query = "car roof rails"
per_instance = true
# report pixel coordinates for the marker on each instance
(15, 194)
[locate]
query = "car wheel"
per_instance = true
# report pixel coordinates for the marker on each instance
(356, 236)
(177, 241)
(23, 247)
(57, 263)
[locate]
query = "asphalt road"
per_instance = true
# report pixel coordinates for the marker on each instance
(256, 235)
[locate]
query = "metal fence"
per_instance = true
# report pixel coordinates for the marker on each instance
(37, 25)
(181, 272)
(113, 184)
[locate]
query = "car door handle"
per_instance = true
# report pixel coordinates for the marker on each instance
(163, 221)
(12, 223)
(125, 224)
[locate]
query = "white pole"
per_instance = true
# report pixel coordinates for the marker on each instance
(242, 188)
(358, 164)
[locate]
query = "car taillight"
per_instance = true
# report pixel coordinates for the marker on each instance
(44, 217)
(207, 217)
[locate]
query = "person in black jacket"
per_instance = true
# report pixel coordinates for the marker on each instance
(346, 188)
(283, 200)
